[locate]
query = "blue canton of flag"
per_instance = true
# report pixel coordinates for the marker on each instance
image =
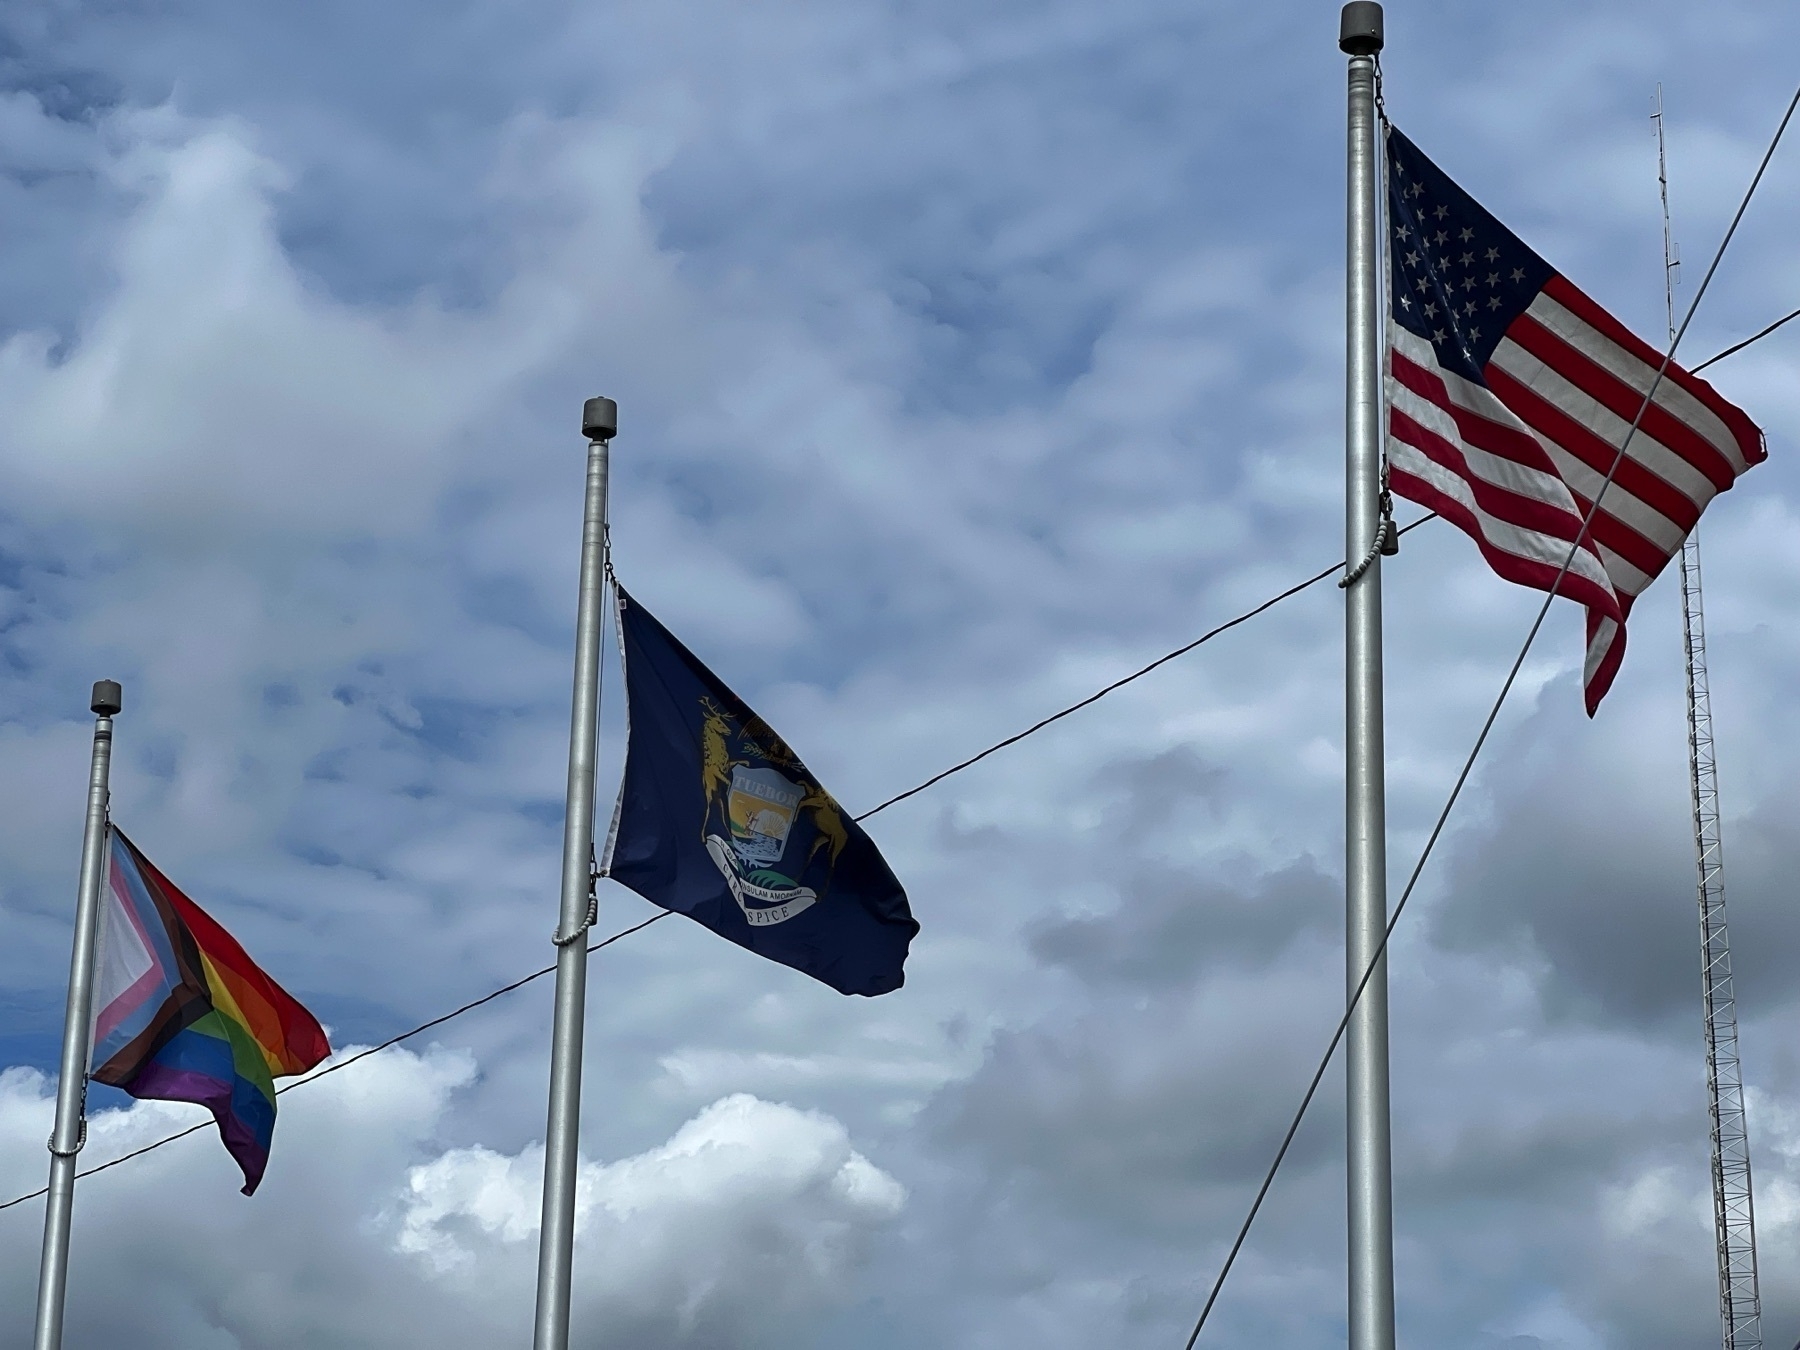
(719, 820)
(1459, 276)
(1511, 398)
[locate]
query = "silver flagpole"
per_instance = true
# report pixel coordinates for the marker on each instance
(556, 1238)
(1370, 1190)
(70, 1130)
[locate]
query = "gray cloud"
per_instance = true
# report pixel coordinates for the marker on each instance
(967, 361)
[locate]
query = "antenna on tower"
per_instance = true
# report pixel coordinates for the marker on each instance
(1734, 1210)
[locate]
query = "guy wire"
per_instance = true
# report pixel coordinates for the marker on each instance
(935, 779)
(1487, 726)
(346, 1063)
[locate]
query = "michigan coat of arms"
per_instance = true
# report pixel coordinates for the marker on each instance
(771, 830)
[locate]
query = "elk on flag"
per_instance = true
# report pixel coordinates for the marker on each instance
(1510, 397)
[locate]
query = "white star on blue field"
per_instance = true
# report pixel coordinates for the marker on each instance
(967, 359)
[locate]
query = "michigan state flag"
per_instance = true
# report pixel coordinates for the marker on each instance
(718, 819)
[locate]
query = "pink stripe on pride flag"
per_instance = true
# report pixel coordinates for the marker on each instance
(124, 943)
(147, 987)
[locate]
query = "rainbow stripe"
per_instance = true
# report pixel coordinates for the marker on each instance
(184, 1015)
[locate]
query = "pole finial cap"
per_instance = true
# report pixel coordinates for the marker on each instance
(1360, 28)
(600, 419)
(108, 698)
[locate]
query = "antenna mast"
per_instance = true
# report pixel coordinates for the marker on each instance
(1734, 1211)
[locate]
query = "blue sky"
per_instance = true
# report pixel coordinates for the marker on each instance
(966, 359)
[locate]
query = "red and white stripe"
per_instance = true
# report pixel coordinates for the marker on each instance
(1518, 464)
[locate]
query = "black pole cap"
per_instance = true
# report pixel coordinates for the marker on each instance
(600, 419)
(1359, 28)
(108, 698)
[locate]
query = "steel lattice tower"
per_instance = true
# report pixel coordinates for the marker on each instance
(1734, 1208)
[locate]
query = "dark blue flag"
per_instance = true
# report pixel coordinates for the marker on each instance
(719, 820)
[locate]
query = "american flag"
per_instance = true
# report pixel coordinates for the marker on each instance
(1510, 394)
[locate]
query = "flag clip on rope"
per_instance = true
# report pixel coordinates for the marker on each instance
(1574, 546)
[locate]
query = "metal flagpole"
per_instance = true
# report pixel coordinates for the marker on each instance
(556, 1238)
(1367, 529)
(70, 1130)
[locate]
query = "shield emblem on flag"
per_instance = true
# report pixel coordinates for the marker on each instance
(761, 805)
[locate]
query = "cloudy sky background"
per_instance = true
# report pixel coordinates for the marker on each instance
(967, 359)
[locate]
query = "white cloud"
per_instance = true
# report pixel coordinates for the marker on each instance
(967, 361)
(751, 1221)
